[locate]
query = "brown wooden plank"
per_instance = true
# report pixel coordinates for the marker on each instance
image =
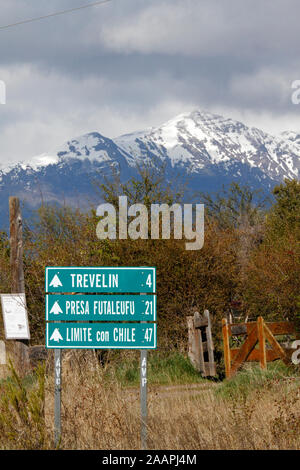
(245, 349)
(275, 345)
(254, 356)
(281, 328)
(277, 328)
(261, 342)
(249, 326)
(227, 356)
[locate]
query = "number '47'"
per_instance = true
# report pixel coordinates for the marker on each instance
(148, 334)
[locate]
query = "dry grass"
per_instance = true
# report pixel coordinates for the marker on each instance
(98, 413)
(101, 415)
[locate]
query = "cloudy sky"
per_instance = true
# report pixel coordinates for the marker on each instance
(131, 64)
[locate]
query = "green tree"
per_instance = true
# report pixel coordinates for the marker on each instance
(236, 206)
(149, 187)
(273, 279)
(284, 216)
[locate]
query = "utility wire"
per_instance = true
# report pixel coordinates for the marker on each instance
(58, 13)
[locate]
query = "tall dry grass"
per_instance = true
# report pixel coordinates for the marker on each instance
(101, 415)
(98, 413)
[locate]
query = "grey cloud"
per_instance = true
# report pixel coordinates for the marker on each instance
(132, 64)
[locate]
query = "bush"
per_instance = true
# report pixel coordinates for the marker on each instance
(22, 424)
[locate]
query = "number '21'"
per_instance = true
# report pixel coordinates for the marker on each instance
(149, 306)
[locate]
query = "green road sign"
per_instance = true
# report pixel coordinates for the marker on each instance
(100, 335)
(100, 307)
(100, 280)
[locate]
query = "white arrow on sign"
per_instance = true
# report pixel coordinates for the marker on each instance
(55, 282)
(56, 336)
(56, 309)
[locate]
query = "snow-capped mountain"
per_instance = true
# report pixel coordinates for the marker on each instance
(199, 139)
(205, 150)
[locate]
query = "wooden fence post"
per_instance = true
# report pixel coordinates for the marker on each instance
(199, 346)
(20, 349)
(262, 343)
(210, 345)
(193, 346)
(227, 358)
(200, 343)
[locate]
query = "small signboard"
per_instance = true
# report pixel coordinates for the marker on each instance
(100, 280)
(101, 335)
(100, 308)
(15, 316)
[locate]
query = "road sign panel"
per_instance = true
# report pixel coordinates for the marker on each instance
(100, 279)
(100, 307)
(101, 335)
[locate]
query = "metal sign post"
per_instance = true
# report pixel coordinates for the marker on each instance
(57, 397)
(143, 393)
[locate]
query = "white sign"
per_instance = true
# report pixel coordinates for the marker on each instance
(15, 317)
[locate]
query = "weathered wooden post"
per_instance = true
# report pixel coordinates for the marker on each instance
(210, 345)
(227, 355)
(201, 343)
(19, 348)
(193, 343)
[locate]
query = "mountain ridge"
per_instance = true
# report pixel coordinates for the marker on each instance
(208, 149)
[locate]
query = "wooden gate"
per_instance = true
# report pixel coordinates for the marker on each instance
(201, 348)
(256, 333)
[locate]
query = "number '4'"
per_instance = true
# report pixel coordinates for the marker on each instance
(149, 281)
